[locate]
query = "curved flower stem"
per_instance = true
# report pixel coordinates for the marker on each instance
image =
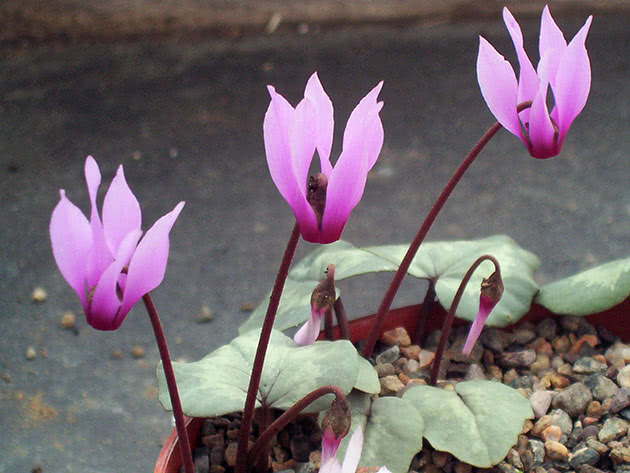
(328, 324)
(289, 415)
(400, 274)
(448, 322)
(265, 335)
(184, 443)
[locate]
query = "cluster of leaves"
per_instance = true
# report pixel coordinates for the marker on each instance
(478, 422)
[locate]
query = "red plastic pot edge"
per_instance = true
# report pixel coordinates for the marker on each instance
(613, 319)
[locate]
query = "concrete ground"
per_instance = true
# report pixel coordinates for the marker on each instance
(184, 116)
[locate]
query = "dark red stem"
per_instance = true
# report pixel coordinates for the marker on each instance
(184, 443)
(400, 274)
(328, 324)
(342, 320)
(290, 414)
(448, 322)
(265, 335)
(423, 313)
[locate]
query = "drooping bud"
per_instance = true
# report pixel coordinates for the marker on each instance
(322, 301)
(323, 296)
(335, 425)
(316, 195)
(491, 292)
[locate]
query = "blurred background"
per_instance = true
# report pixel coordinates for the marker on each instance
(176, 92)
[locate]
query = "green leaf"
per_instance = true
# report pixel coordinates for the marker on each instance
(589, 292)
(447, 263)
(392, 429)
(295, 303)
(367, 378)
(444, 262)
(478, 423)
(218, 383)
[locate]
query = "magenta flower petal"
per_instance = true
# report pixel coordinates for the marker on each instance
(498, 86)
(291, 137)
(330, 445)
(276, 128)
(308, 333)
(565, 68)
(323, 119)
(527, 80)
(485, 307)
(71, 239)
(363, 140)
(100, 256)
(551, 42)
(572, 81)
(365, 119)
(121, 212)
(104, 309)
(148, 263)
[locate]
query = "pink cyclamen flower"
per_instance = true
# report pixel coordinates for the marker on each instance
(322, 203)
(102, 259)
(563, 68)
(329, 462)
(322, 301)
(491, 293)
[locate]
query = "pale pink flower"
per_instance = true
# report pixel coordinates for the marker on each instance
(563, 68)
(486, 305)
(102, 259)
(322, 203)
(329, 462)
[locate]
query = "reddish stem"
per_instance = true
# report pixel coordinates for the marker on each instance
(184, 443)
(328, 324)
(342, 320)
(265, 335)
(448, 321)
(388, 298)
(290, 414)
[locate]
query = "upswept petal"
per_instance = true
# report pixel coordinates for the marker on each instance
(527, 80)
(302, 136)
(323, 120)
(148, 264)
(99, 257)
(363, 140)
(71, 239)
(542, 140)
(121, 211)
(104, 309)
(279, 160)
(277, 148)
(551, 43)
(498, 86)
(307, 334)
(365, 117)
(353, 452)
(573, 82)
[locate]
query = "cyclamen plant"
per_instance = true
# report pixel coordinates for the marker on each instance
(110, 266)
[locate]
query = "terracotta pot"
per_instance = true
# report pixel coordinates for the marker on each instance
(614, 320)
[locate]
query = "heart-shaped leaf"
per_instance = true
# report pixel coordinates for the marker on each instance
(589, 292)
(218, 383)
(478, 422)
(443, 262)
(367, 378)
(392, 429)
(446, 263)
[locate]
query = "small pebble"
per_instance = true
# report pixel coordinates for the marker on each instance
(623, 377)
(388, 356)
(39, 294)
(137, 351)
(116, 354)
(540, 401)
(583, 456)
(574, 399)
(67, 320)
(31, 353)
(391, 385)
(613, 429)
(556, 451)
(397, 336)
(205, 315)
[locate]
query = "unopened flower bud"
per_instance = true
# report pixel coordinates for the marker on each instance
(322, 301)
(335, 426)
